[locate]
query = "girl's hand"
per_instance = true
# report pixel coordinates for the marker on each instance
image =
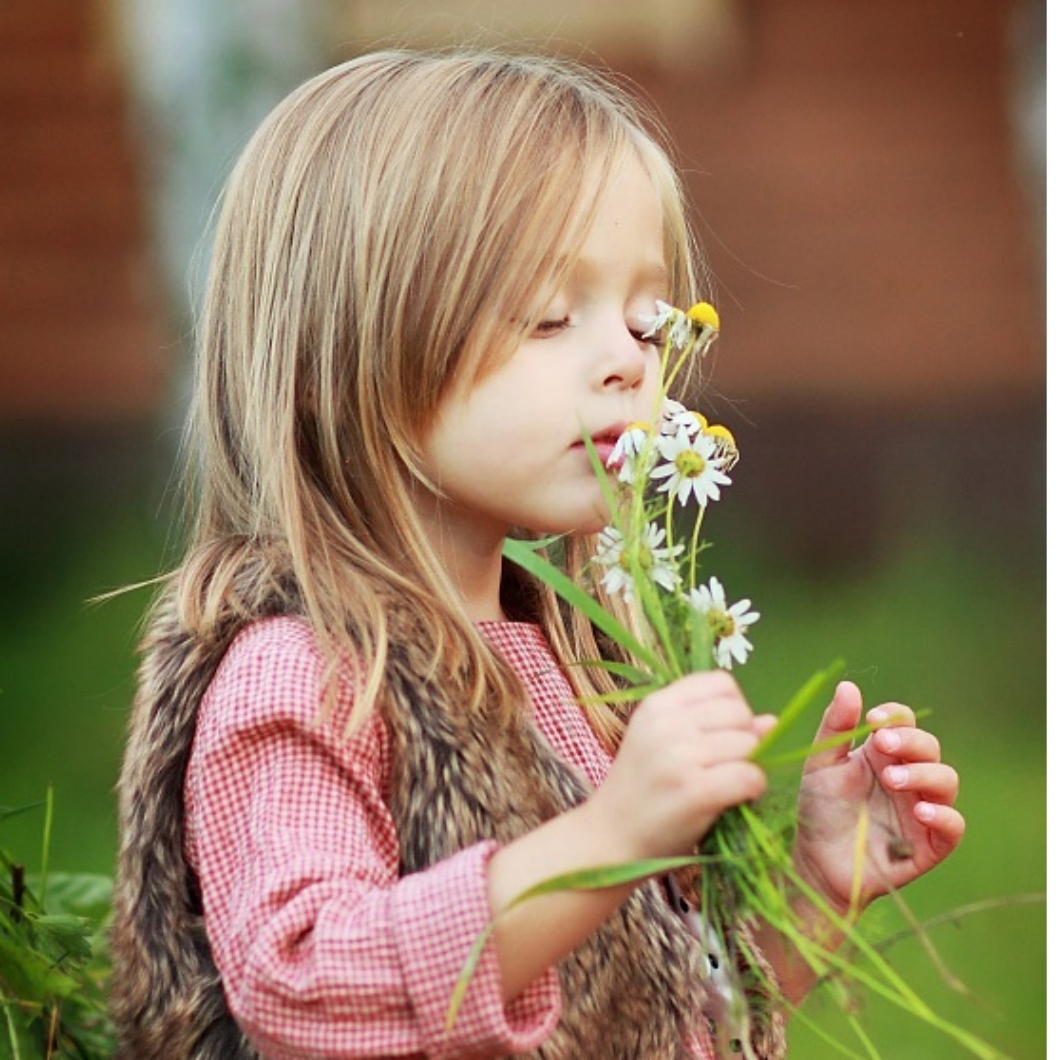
(683, 760)
(893, 789)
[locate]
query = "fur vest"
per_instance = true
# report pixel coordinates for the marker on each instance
(636, 990)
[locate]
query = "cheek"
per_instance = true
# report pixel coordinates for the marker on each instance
(649, 387)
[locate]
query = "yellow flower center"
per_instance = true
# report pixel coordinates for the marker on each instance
(638, 556)
(704, 315)
(720, 623)
(689, 464)
(723, 434)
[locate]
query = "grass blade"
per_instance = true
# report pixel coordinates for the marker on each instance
(811, 690)
(523, 553)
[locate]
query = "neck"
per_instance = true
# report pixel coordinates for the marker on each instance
(472, 558)
(478, 577)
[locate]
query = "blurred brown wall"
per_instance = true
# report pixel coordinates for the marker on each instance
(853, 169)
(79, 333)
(879, 268)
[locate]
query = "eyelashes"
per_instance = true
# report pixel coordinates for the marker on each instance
(656, 339)
(544, 328)
(547, 328)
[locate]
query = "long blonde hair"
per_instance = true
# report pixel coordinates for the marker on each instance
(378, 237)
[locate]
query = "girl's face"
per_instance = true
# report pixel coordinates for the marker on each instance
(509, 450)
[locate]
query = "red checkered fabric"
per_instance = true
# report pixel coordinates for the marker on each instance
(323, 950)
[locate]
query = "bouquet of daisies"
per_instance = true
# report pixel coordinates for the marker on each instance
(658, 482)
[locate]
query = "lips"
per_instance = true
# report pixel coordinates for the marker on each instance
(605, 441)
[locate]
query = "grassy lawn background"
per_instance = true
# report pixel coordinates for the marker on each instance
(940, 623)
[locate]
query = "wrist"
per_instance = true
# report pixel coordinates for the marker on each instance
(608, 838)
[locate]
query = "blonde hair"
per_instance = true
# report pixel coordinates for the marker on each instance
(379, 235)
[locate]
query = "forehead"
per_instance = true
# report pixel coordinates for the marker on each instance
(624, 228)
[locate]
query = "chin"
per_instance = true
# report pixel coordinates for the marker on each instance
(590, 524)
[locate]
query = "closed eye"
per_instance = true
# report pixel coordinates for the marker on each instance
(545, 328)
(656, 339)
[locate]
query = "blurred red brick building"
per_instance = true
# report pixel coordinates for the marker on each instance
(80, 335)
(855, 172)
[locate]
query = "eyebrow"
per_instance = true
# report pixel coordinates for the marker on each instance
(649, 272)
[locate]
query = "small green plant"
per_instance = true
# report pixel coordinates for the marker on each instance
(54, 964)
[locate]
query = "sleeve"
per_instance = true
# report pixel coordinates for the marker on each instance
(323, 950)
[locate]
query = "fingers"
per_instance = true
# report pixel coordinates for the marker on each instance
(764, 723)
(684, 760)
(935, 782)
(908, 743)
(718, 688)
(945, 826)
(841, 716)
(735, 781)
(714, 721)
(887, 714)
(907, 759)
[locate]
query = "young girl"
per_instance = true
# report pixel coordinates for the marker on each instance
(357, 736)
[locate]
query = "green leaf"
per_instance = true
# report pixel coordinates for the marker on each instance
(701, 644)
(599, 877)
(80, 894)
(632, 674)
(810, 690)
(529, 559)
(46, 842)
(16, 1039)
(69, 934)
(787, 758)
(30, 974)
(7, 812)
(815, 748)
(622, 695)
(584, 880)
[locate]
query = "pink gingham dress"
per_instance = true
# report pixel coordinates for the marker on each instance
(323, 950)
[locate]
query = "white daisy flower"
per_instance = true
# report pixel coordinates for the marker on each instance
(691, 465)
(724, 445)
(650, 555)
(703, 325)
(655, 324)
(630, 444)
(727, 624)
(676, 416)
(697, 328)
(678, 326)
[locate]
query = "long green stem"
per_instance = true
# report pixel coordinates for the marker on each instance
(46, 842)
(693, 548)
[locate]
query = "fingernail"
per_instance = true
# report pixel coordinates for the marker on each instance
(888, 740)
(924, 811)
(877, 716)
(897, 776)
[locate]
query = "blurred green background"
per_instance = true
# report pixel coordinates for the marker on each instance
(952, 628)
(868, 181)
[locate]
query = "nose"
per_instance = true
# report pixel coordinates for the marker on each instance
(623, 361)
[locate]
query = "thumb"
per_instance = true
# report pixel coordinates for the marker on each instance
(841, 716)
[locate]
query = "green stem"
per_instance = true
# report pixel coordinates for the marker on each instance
(46, 842)
(798, 703)
(694, 547)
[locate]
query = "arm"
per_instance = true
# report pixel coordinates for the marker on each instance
(323, 950)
